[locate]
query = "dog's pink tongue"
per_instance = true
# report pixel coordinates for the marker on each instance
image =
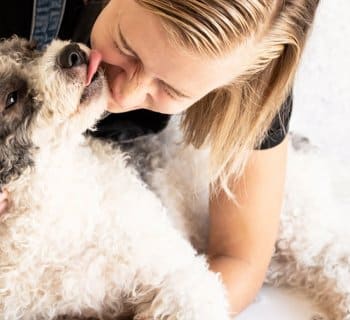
(94, 61)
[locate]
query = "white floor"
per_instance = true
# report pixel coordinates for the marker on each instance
(322, 88)
(279, 304)
(322, 113)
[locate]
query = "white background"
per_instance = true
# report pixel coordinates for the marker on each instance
(322, 113)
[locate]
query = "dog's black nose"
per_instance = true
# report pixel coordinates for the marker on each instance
(71, 56)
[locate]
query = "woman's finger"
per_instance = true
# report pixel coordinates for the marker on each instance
(4, 195)
(3, 206)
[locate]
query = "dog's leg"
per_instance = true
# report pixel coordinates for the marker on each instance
(324, 277)
(190, 293)
(313, 248)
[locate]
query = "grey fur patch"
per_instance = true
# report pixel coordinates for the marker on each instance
(18, 49)
(301, 143)
(17, 108)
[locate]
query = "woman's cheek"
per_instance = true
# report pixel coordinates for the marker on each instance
(113, 75)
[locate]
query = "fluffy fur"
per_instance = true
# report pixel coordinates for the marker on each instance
(313, 248)
(84, 236)
(87, 238)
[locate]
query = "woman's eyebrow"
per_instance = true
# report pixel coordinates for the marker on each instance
(131, 50)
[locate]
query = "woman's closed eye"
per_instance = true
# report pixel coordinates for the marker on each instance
(123, 51)
(169, 91)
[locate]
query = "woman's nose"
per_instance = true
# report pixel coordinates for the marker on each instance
(132, 91)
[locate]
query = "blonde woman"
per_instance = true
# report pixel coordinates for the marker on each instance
(228, 66)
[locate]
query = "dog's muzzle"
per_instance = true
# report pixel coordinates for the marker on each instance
(80, 65)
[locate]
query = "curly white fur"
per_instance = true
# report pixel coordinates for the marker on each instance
(313, 247)
(85, 236)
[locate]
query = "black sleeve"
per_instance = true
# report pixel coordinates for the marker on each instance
(280, 125)
(15, 18)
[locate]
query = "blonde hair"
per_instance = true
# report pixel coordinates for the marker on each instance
(234, 119)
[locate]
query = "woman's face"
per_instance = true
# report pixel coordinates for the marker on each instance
(144, 70)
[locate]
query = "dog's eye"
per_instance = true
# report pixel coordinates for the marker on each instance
(11, 99)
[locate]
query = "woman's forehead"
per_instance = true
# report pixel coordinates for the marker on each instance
(145, 34)
(160, 57)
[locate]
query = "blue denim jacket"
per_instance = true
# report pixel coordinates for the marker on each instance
(46, 20)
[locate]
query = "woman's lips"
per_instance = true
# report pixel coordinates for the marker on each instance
(95, 59)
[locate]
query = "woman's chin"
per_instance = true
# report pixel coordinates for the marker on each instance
(114, 107)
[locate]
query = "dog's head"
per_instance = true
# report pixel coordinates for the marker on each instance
(72, 88)
(18, 106)
(51, 95)
(17, 102)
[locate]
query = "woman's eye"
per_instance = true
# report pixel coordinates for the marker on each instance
(122, 52)
(169, 93)
(11, 99)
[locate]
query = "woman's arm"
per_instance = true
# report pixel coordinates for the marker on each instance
(242, 236)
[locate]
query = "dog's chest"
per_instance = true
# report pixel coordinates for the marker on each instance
(77, 196)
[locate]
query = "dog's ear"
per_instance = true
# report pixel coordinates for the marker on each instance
(19, 49)
(32, 45)
(31, 50)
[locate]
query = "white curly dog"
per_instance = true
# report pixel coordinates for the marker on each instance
(312, 252)
(86, 237)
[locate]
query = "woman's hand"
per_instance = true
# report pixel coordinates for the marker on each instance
(4, 201)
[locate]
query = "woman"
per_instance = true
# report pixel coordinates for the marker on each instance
(228, 66)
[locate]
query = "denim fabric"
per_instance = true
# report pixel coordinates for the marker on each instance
(47, 18)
